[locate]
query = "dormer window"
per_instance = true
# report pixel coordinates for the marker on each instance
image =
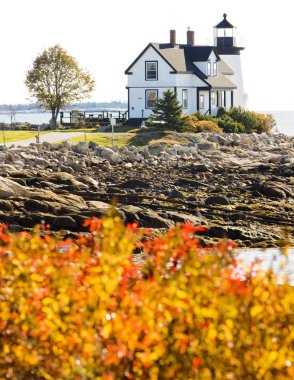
(214, 69)
(151, 70)
(208, 69)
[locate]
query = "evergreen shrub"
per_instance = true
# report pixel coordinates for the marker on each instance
(167, 111)
(252, 121)
(228, 125)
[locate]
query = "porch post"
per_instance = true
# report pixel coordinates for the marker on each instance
(198, 106)
(209, 96)
(225, 99)
(128, 102)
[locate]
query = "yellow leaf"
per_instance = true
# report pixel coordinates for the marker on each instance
(106, 330)
(212, 333)
(64, 298)
(181, 294)
(256, 310)
(37, 277)
(32, 358)
(6, 349)
(47, 300)
(209, 313)
(273, 355)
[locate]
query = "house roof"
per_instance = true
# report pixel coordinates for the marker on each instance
(174, 56)
(220, 82)
(181, 57)
(224, 23)
(200, 53)
(224, 68)
(127, 71)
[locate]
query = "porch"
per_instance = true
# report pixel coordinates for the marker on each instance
(210, 100)
(76, 118)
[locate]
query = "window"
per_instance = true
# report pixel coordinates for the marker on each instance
(185, 99)
(151, 70)
(213, 97)
(151, 98)
(214, 69)
(208, 68)
(201, 101)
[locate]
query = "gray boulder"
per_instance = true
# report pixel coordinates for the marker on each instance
(217, 200)
(108, 154)
(9, 188)
(206, 146)
(81, 147)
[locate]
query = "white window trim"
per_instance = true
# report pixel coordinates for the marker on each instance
(146, 99)
(146, 70)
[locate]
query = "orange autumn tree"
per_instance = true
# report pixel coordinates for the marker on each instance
(84, 310)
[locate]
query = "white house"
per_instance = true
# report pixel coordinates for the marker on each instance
(204, 77)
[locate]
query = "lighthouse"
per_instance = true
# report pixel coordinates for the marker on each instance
(225, 43)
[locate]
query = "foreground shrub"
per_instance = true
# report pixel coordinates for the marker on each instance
(190, 122)
(167, 111)
(207, 126)
(228, 125)
(252, 121)
(221, 112)
(201, 116)
(185, 313)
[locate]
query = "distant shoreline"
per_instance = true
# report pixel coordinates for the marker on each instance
(36, 107)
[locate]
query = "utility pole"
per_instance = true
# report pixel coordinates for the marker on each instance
(12, 115)
(4, 139)
(113, 123)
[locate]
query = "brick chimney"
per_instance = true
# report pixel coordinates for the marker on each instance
(172, 34)
(190, 37)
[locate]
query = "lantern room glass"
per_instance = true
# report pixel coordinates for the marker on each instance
(224, 36)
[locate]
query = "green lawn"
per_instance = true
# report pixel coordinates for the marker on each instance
(74, 130)
(135, 137)
(11, 136)
(105, 138)
(120, 128)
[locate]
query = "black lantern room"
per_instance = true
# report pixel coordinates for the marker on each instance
(224, 34)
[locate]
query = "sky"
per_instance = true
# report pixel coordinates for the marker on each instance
(106, 36)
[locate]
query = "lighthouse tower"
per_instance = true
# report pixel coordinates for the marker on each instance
(225, 42)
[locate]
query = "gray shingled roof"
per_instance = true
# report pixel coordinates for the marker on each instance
(220, 82)
(174, 56)
(224, 68)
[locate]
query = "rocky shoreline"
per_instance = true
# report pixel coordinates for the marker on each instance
(238, 186)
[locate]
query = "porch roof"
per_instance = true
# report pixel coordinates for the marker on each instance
(220, 82)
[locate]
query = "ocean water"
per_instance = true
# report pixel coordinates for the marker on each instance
(270, 258)
(26, 117)
(285, 119)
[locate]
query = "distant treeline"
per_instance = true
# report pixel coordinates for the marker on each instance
(37, 107)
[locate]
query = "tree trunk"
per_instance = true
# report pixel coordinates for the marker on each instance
(53, 121)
